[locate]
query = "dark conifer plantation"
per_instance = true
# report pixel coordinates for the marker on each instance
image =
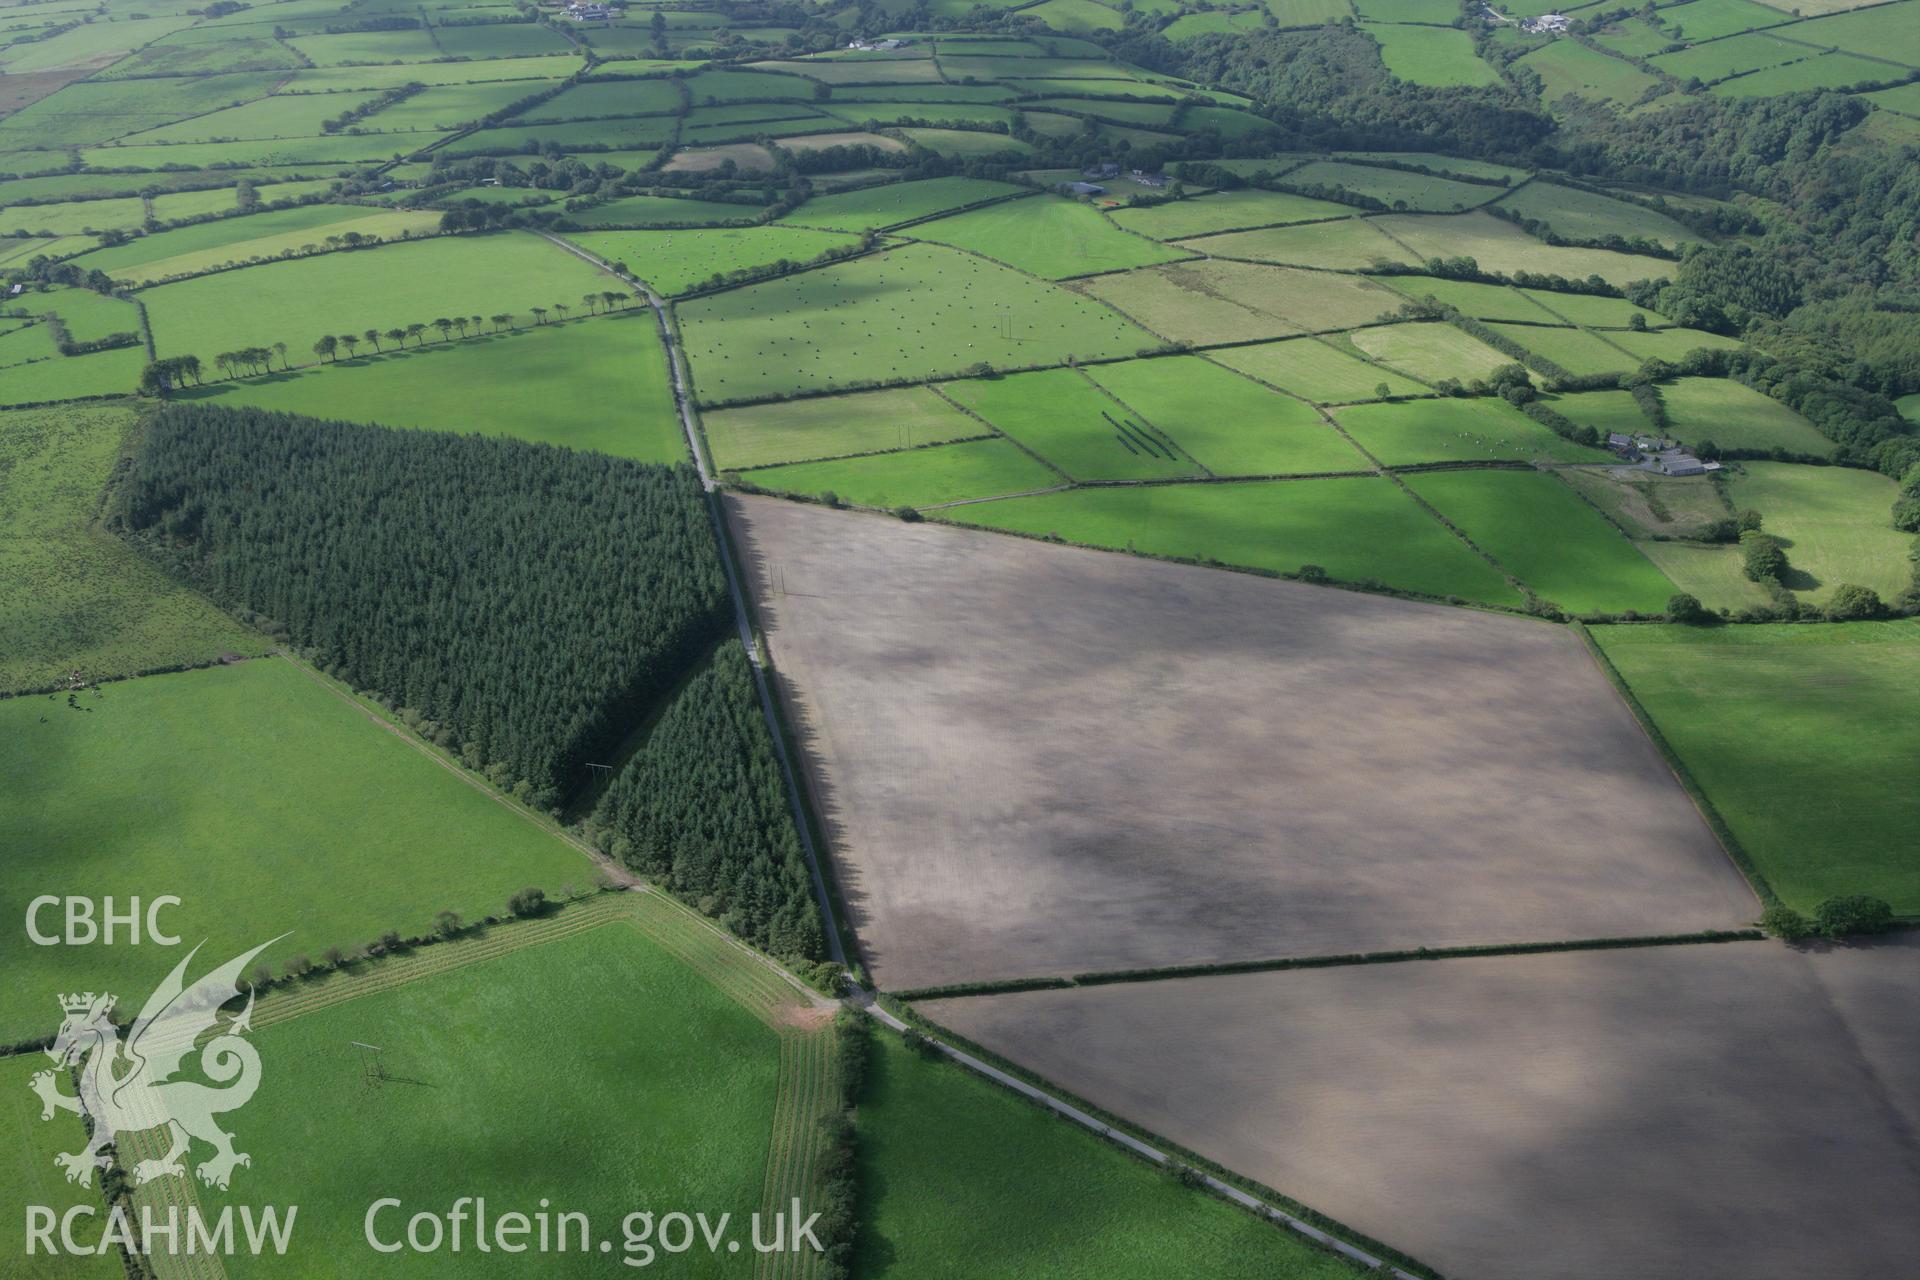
(703, 809)
(528, 603)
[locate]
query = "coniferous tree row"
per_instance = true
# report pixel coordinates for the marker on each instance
(523, 604)
(703, 809)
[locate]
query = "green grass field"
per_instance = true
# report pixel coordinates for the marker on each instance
(71, 217)
(377, 76)
(1356, 529)
(1430, 12)
(1712, 19)
(1567, 67)
(1049, 237)
(915, 477)
(1211, 302)
(1430, 55)
(965, 144)
(725, 85)
(1737, 417)
(910, 313)
(1353, 244)
(653, 211)
(297, 115)
(327, 149)
(453, 105)
(88, 316)
(263, 801)
(77, 598)
(943, 1152)
(1581, 215)
(1230, 424)
(1307, 13)
(1823, 71)
(1502, 247)
(833, 427)
(1317, 370)
(1398, 188)
(1430, 352)
(1575, 350)
(1593, 311)
(1718, 59)
(589, 384)
(594, 100)
(1077, 15)
(1804, 739)
(1710, 574)
(939, 114)
(1604, 411)
(1836, 525)
(541, 1041)
(1064, 417)
(97, 111)
(674, 262)
(1477, 301)
(633, 132)
(28, 1176)
(1456, 165)
(1635, 37)
(1151, 115)
(1213, 22)
(1884, 31)
(367, 46)
(105, 373)
(1477, 430)
(1548, 538)
(1225, 211)
(257, 237)
(1672, 344)
(299, 301)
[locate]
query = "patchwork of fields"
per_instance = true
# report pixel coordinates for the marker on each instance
(1241, 576)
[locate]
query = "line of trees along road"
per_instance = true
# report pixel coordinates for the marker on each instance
(521, 604)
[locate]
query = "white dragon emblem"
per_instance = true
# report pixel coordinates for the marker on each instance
(130, 1087)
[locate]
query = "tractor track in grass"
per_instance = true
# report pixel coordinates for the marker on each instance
(169, 1199)
(797, 1016)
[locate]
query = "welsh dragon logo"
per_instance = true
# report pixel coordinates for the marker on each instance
(129, 1087)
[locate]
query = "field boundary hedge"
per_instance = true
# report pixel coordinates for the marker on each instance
(1735, 851)
(1121, 1133)
(1168, 973)
(1372, 587)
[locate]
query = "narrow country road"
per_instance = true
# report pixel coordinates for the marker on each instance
(862, 1000)
(743, 620)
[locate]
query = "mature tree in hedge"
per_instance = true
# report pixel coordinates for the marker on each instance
(1852, 602)
(1688, 609)
(524, 605)
(1762, 557)
(1856, 913)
